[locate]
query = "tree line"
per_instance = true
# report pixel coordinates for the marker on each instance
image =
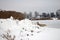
(44, 15)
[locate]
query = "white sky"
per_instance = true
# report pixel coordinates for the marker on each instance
(30, 5)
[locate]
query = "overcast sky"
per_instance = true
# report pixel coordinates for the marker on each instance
(30, 5)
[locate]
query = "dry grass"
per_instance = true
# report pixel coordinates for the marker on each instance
(42, 25)
(7, 36)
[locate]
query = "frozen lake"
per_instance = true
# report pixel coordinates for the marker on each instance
(49, 23)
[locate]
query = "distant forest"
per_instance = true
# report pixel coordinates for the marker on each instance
(43, 15)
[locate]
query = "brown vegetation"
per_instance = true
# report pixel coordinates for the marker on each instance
(43, 18)
(14, 14)
(42, 25)
(7, 36)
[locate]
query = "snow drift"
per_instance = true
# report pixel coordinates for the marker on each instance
(11, 29)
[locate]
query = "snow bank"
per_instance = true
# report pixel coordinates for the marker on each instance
(11, 29)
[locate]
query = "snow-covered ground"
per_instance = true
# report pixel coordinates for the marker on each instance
(49, 23)
(11, 29)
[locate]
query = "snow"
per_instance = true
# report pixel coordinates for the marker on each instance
(54, 18)
(49, 23)
(26, 30)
